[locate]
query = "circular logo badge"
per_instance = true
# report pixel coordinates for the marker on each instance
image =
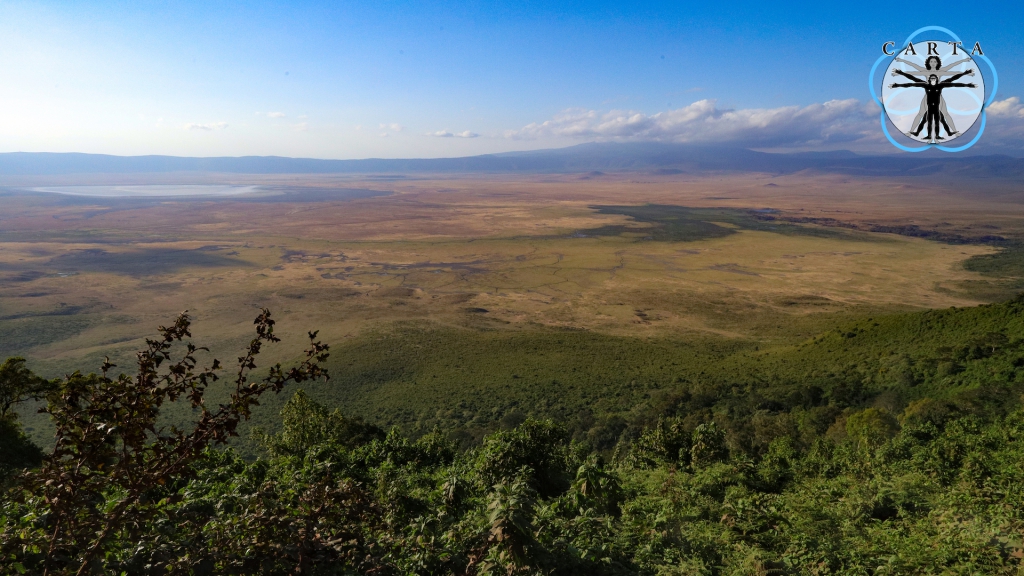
(933, 91)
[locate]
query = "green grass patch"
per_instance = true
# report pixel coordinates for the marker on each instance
(418, 375)
(1007, 263)
(24, 333)
(682, 224)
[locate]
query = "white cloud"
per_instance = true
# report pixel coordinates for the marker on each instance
(830, 125)
(704, 122)
(1004, 131)
(394, 127)
(301, 127)
(447, 134)
(206, 127)
(1010, 107)
(275, 115)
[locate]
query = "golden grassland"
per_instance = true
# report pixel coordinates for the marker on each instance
(615, 285)
(492, 253)
(457, 300)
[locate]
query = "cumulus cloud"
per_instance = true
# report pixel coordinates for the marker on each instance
(447, 134)
(834, 124)
(275, 114)
(1004, 131)
(1011, 107)
(394, 127)
(704, 122)
(206, 127)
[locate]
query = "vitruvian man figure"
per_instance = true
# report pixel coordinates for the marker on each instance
(933, 65)
(933, 113)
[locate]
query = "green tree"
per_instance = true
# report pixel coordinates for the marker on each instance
(113, 461)
(305, 424)
(510, 538)
(708, 445)
(535, 446)
(18, 384)
(871, 427)
(666, 441)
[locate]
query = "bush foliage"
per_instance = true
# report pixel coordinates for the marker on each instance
(914, 468)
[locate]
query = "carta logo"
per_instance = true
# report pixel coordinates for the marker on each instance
(933, 91)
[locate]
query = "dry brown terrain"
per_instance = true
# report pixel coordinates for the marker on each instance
(81, 278)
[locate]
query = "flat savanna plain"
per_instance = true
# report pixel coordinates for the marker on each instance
(474, 300)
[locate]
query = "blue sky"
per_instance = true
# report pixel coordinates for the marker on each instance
(399, 79)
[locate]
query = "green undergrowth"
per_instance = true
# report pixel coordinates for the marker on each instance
(20, 334)
(1007, 263)
(417, 375)
(884, 445)
(333, 495)
(1002, 272)
(681, 224)
(607, 388)
(469, 382)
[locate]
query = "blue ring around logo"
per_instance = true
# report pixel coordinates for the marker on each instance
(885, 129)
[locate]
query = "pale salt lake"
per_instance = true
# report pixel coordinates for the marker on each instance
(149, 190)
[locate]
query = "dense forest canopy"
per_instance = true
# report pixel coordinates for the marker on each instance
(891, 445)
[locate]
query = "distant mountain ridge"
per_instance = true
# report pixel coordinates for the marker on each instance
(639, 157)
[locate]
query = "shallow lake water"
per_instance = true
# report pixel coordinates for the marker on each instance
(149, 190)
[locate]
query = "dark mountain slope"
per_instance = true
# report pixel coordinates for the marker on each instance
(642, 157)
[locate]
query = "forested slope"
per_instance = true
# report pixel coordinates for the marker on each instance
(888, 445)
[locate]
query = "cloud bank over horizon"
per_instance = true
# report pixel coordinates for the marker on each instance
(206, 127)
(834, 124)
(429, 80)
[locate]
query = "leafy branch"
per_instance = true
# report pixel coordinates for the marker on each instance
(112, 458)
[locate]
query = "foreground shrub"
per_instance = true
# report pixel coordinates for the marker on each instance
(855, 491)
